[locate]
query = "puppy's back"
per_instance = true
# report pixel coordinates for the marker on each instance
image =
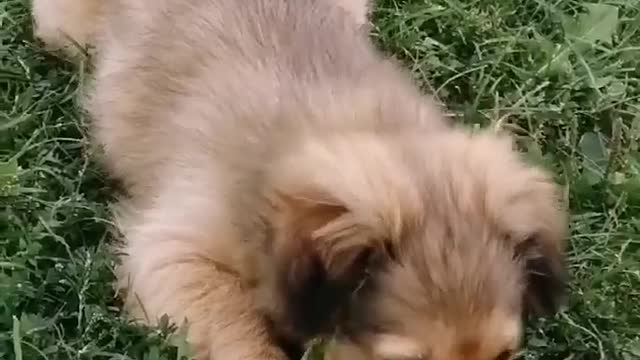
(199, 80)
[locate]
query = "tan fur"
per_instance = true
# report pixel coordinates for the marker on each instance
(359, 9)
(441, 341)
(71, 25)
(262, 141)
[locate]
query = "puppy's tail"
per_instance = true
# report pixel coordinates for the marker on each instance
(68, 25)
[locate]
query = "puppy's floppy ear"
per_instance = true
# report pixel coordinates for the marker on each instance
(545, 275)
(321, 255)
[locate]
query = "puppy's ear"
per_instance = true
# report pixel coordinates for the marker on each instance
(545, 275)
(321, 254)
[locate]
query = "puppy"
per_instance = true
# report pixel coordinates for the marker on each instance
(287, 182)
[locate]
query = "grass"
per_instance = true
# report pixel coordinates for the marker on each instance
(563, 75)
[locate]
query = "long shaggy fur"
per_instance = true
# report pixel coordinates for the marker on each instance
(285, 181)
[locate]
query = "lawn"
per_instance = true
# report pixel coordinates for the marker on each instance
(563, 75)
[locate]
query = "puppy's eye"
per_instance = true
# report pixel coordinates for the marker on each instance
(505, 355)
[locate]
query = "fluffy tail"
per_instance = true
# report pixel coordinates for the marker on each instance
(68, 25)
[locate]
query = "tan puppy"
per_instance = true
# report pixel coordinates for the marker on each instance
(286, 182)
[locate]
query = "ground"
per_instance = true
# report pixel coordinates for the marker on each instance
(563, 75)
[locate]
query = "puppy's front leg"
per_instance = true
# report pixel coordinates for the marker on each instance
(169, 272)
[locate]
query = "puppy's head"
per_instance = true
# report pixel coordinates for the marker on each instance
(413, 246)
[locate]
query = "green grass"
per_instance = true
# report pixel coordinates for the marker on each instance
(564, 75)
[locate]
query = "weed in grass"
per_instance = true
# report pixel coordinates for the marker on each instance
(563, 75)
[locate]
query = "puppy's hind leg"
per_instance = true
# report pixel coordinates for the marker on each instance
(67, 24)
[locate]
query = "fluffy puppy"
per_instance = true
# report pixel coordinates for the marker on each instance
(287, 182)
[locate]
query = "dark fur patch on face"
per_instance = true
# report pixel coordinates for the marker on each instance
(293, 348)
(317, 273)
(316, 300)
(545, 276)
